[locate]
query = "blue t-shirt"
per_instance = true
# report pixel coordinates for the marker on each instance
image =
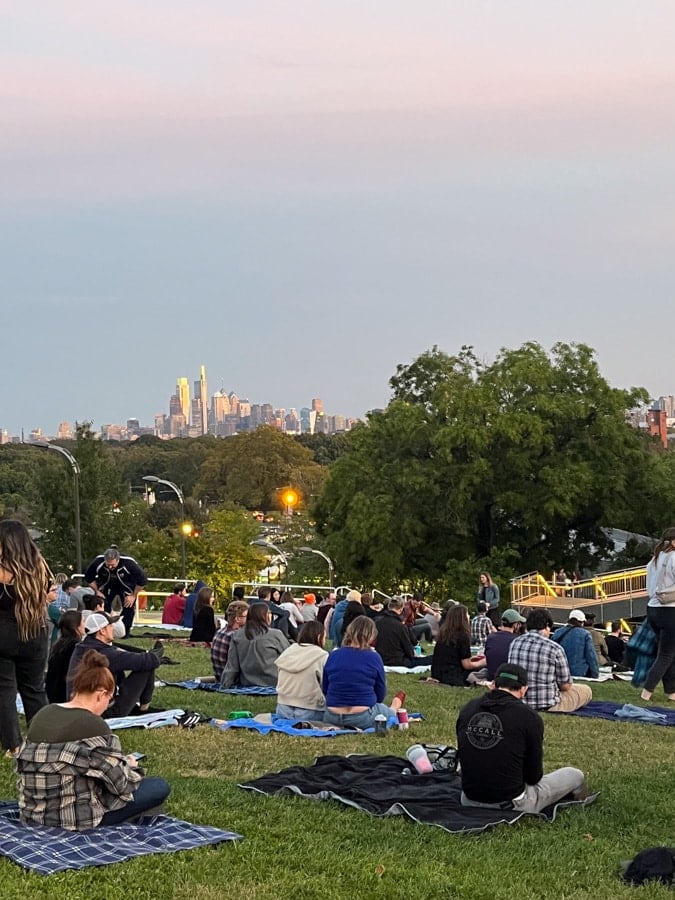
(353, 677)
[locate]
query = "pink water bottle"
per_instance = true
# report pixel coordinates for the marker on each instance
(418, 757)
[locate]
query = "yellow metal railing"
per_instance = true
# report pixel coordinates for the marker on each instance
(534, 590)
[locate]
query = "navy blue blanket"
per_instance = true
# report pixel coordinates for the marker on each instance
(383, 786)
(605, 709)
(49, 850)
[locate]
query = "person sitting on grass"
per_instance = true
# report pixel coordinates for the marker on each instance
(550, 683)
(235, 618)
(616, 645)
(204, 619)
(72, 771)
(577, 643)
(254, 650)
(354, 682)
(452, 662)
(394, 643)
(299, 694)
(134, 671)
(500, 743)
(71, 632)
(481, 626)
(174, 605)
(498, 643)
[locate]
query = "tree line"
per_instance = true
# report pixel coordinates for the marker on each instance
(511, 466)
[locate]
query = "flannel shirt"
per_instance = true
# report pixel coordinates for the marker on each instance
(546, 666)
(73, 784)
(220, 647)
(481, 626)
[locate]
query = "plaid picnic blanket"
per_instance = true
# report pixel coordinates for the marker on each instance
(49, 850)
(195, 685)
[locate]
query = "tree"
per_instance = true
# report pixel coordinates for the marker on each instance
(529, 456)
(251, 469)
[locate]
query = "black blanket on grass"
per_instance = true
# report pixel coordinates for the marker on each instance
(377, 785)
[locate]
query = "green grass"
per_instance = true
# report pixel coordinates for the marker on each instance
(303, 849)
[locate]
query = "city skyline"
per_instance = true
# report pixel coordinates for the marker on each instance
(187, 405)
(308, 194)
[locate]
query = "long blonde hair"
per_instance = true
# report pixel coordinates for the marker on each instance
(20, 556)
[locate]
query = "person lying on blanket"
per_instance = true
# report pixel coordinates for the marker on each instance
(72, 771)
(500, 744)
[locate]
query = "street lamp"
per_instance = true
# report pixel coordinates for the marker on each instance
(259, 542)
(75, 466)
(153, 479)
(331, 567)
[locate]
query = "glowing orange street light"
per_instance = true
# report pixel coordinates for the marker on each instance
(289, 498)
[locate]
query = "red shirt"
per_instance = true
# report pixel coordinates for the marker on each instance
(174, 607)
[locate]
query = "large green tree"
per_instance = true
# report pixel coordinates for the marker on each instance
(528, 458)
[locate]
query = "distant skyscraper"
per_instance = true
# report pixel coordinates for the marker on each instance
(317, 404)
(65, 432)
(204, 400)
(183, 394)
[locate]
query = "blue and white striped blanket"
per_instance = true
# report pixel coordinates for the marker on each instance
(49, 850)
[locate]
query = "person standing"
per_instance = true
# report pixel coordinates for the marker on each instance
(661, 615)
(24, 630)
(488, 593)
(111, 576)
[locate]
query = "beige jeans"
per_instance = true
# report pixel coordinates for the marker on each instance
(577, 696)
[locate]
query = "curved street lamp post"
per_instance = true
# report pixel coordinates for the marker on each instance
(331, 567)
(153, 479)
(270, 546)
(75, 466)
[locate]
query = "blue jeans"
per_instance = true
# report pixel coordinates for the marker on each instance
(151, 792)
(298, 712)
(361, 720)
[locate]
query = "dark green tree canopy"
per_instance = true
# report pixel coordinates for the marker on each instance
(529, 455)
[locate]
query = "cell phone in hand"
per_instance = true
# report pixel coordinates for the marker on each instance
(137, 756)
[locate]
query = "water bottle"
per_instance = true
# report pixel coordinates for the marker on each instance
(418, 649)
(381, 725)
(417, 755)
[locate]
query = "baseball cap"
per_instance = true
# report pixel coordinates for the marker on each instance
(96, 621)
(578, 615)
(513, 675)
(511, 616)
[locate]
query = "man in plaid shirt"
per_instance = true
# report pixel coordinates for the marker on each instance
(481, 626)
(220, 645)
(548, 673)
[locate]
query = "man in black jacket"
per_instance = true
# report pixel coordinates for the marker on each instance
(501, 751)
(112, 575)
(134, 671)
(393, 639)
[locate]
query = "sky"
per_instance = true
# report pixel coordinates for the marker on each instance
(301, 195)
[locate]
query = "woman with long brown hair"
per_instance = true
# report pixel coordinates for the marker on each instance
(452, 662)
(661, 615)
(204, 621)
(24, 634)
